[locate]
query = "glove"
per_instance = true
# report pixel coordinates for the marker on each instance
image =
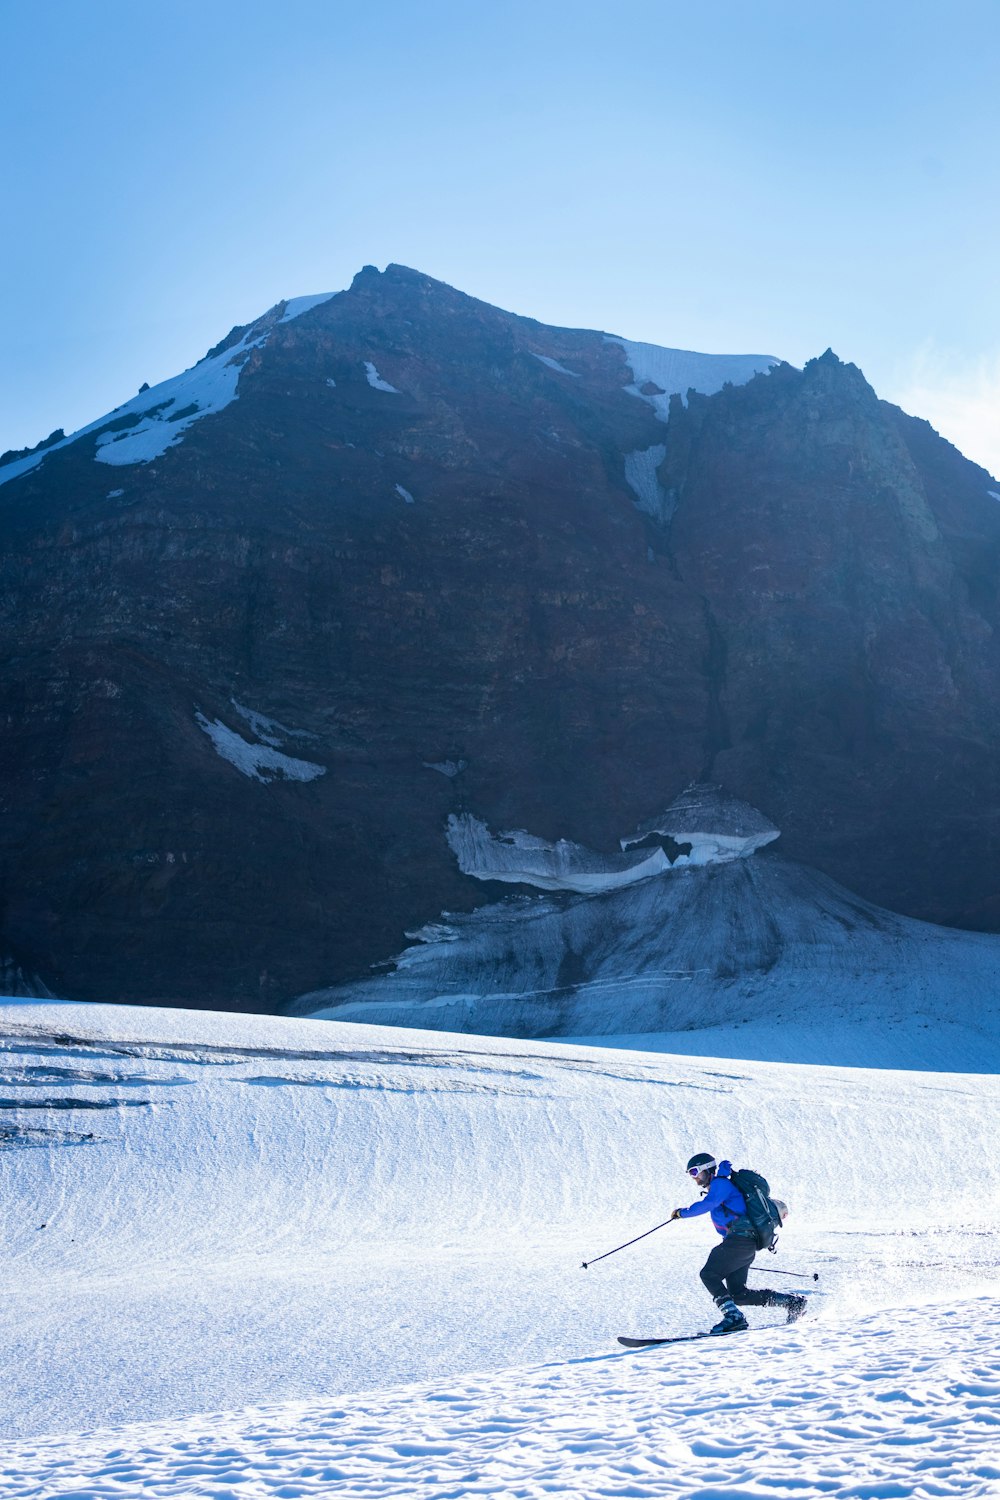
(676, 1213)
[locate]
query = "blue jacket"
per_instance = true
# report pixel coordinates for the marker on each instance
(723, 1201)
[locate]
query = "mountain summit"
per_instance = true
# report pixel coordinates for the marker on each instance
(394, 556)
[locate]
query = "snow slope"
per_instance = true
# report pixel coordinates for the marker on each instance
(914, 1413)
(250, 1212)
(676, 371)
(158, 417)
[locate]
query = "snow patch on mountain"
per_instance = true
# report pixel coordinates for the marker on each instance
(718, 827)
(375, 380)
(157, 419)
(641, 477)
(449, 768)
(267, 729)
(170, 409)
(520, 858)
(260, 762)
(676, 371)
(296, 306)
(554, 364)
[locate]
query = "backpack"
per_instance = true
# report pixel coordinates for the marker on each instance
(764, 1218)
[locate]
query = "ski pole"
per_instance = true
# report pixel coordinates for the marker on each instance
(615, 1251)
(801, 1275)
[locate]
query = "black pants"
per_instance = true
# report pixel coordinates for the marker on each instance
(725, 1274)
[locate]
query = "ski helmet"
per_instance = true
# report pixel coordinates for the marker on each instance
(781, 1207)
(701, 1162)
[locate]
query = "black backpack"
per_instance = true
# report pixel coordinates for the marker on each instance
(764, 1218)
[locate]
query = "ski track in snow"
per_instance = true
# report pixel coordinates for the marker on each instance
(914, 1411)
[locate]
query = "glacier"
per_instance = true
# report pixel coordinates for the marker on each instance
(690, 938)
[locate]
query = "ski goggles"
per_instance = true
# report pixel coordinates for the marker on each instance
(706, 1166)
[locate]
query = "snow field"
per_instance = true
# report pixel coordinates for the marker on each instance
(293, 1211)
(851, 1041)
(680, 370)
(914, 1412)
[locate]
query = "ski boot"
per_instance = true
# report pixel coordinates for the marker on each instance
(795, 1306)
(733, 1320)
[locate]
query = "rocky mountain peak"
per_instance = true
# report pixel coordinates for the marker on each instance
(391, 557)
(832, 377)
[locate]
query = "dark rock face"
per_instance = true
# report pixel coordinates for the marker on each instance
(456, 574)
(849, 558)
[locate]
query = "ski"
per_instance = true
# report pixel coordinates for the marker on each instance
(689, 1338)
(681, 1338)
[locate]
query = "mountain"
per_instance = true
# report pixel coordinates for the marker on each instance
(393, 555)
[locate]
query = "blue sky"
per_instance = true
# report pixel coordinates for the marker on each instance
(774, 177)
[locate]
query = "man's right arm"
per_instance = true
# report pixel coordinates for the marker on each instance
(717, 1190)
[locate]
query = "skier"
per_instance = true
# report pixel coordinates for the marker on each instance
(725, 1272)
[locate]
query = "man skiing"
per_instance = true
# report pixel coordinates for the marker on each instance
(725, 1272)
